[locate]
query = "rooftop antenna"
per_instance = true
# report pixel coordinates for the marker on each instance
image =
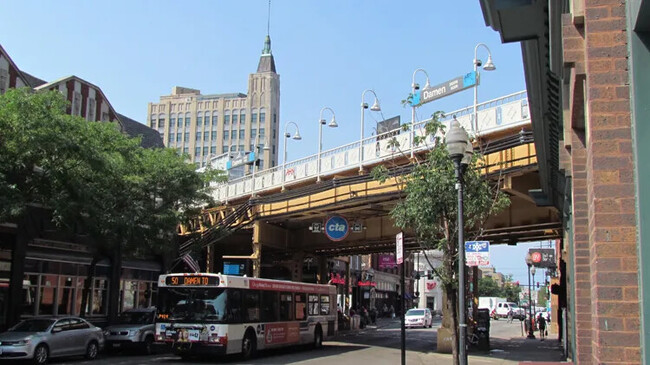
(268, 22)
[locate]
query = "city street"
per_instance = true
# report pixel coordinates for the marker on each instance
(374, 345)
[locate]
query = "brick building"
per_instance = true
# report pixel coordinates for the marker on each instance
(586, 64)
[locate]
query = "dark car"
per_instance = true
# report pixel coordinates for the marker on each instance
(39, 339)
(135, 329)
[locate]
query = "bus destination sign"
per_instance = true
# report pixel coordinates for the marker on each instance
(192, 280)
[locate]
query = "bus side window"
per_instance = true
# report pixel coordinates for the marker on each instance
(234, 306)
(301, 309)
(269, 306)
(285, 307)
(313, 304)
(251, 306)
(324, 304)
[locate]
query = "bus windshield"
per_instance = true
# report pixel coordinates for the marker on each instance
(195, 305)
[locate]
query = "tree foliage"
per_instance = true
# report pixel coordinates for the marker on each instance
(488, 287)
(428, 210)
(127, 199)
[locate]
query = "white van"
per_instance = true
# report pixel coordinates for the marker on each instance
(503, 308)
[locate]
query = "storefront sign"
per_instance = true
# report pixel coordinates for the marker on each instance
(337, 279)
(366, 283)
(431, 285)
(336, 228)
(387, 262)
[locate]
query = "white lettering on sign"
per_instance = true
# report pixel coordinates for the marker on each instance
(426, 94)
(336, 227)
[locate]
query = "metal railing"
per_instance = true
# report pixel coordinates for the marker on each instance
(495, 115)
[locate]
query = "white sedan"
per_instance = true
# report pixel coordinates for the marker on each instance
(418, 317)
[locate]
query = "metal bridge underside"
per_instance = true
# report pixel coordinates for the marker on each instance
(279, 222)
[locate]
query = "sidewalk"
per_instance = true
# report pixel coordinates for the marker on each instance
(511, 351)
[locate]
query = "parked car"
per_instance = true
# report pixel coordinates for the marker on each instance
(503, 308)
(135, 329)
(418, 317)
(40, 339)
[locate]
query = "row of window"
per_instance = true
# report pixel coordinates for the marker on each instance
(206, 119)
(212, 136)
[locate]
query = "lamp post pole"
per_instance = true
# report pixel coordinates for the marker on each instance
(460, 152)
(414, 88)
(489, 66)
(297, 137)
(256, 150)
(531, 334)
(375, 107)
(321, 122)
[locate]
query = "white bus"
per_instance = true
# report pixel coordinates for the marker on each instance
(201, 314)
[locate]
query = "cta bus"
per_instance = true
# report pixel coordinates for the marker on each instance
(202, 314)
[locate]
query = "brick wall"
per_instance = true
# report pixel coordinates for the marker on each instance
(610, 187)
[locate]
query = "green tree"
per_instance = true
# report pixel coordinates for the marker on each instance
(428, 211)
(129, 200)
(542, 297)
(487, 287)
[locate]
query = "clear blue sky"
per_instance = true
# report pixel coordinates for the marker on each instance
(326, 52)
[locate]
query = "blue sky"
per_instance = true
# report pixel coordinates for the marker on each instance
(326, 52)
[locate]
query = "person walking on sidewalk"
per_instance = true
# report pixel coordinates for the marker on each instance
(510, 315)
(541, 324)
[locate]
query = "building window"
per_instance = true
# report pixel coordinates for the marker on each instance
(242, 117)
(91, 109)
(233, 148)
(213, 150)
(4, 80)
(206, 136)
(199, 119)
(226, 135)
(254, 116)
(253, 133)
(197, 151)
(178, 137)
(161, 122)
(226, 117)
(76, 104)
(206, 121)
(186, 150)
(215, 119)
(186, 137)
(172, 121)
(205, 151)
(262, 116)
(241, 147)
(224, 149)
(242, 134)
(234, 118)
(213, 135)
(261, 165)
(171, 138)
(188, 118)
(198, 136)
(262, 133)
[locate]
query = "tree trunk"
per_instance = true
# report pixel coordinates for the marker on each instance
(86, 290)
(114, 285)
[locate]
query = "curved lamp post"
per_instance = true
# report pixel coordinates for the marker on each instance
(375, 107)
(297, 137)
(414, 88)
(489, 66)
(529, 263)
(458, 144)
(321, 122)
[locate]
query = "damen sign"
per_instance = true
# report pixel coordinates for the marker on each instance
(336, 228)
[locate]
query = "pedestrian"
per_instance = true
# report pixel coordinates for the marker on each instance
(384, 311)
(541, 324)
(392, 311)
(510, 315)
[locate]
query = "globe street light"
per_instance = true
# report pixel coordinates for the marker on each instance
(529, 263)
(321, 122)
(256, 150)
(375, 107)
(458, 144)
(297, 137)
(414, 88)
(489, 66)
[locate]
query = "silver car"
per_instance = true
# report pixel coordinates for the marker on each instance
(135, 329)
(41, 338)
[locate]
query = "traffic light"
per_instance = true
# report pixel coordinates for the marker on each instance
(537, 285)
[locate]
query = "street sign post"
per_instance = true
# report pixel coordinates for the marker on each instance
(399, 247)
(452, 86)
(477, 253)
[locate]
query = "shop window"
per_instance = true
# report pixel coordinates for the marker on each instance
(100, 297)
(47, 294)
(66, 295)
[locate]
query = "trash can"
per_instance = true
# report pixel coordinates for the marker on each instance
(483, 329)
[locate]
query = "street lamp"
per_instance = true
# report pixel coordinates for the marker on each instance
(414, 88)
(297, 137)
(375, 107)
(321, 122)
(532, 271)
(458, 144)
(529, 263)
(256, 150)
(489, 66)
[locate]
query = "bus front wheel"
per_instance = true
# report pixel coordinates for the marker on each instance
(249, 346)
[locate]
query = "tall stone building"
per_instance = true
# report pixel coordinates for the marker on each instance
(205, 126)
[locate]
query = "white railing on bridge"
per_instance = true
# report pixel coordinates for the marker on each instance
(495, 115)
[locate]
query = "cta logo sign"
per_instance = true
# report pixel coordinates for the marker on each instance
(337, 228)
